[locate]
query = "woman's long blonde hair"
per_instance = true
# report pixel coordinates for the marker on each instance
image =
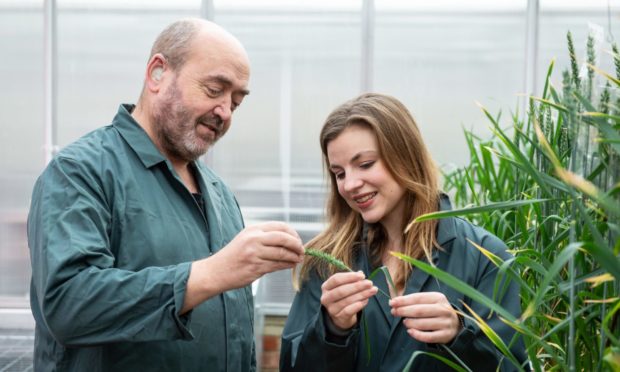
(406, 157)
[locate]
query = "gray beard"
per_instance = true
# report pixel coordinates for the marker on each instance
(175, 129)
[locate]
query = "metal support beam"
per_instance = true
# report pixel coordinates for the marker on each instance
(207, 10)
(286, 134)
(531, 50)
(368, 44)
(51, 78)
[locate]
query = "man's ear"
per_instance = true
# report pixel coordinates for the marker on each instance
(154, 72)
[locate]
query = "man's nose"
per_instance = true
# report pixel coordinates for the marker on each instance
(223, 110)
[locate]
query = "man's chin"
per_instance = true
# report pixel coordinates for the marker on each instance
(205, 139)
(197, 151)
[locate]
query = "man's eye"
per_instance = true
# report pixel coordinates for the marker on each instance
(213, 92)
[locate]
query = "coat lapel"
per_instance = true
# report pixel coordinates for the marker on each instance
(379, 299)
(446, 233)
(416, 283)
(213, 201)
(363, 263)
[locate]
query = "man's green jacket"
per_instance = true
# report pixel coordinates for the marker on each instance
(112, 232)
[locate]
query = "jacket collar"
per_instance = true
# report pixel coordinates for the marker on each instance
(149, 155)
(136, 137)
(143, 146)
(446, 232)
(446, 227)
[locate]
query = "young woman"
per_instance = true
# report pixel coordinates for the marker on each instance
(382, 178)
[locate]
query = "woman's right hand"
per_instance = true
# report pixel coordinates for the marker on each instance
(344, 295)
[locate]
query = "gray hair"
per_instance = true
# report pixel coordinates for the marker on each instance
(175, 40)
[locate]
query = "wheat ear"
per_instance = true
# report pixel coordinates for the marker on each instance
(327, 258)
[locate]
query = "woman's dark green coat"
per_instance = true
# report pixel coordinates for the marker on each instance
(306, 346)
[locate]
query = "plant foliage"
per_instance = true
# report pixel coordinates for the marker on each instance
(548, 184)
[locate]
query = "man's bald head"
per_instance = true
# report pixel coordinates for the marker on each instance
(176, 41)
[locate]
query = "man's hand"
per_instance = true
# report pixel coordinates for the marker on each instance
(344, 295)
(254, 252)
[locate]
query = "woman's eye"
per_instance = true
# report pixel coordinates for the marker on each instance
(367, 164)
(339, 176)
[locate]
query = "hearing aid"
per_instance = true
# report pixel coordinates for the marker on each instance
(156, 74)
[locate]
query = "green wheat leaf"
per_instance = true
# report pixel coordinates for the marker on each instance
(447, 361)
(388, 277)
(366, 339)
(490, 207)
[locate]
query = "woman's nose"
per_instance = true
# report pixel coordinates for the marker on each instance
(351, 183)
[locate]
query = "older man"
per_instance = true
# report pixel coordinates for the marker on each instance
(139, 256)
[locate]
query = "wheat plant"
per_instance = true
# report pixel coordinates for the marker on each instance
(548, 183)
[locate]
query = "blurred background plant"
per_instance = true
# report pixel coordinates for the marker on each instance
(548, 184)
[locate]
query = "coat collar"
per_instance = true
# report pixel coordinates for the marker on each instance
(149, 155)
(446, 227)
(143, 146)
(136, 137)
(446, 233)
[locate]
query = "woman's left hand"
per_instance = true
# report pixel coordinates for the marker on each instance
(428, 316)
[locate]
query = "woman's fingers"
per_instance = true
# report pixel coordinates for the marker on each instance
(342, 289)
(345, 285)
(427, 324)
(344, 295)
(428, 316)
(340, 279)
(419, 298)
(442, 336)
(343, 302)
(352, 309)
(423, 311)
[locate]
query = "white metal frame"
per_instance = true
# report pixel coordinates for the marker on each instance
(12, 316)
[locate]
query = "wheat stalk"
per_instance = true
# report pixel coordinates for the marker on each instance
(342, 266)
(327, 258)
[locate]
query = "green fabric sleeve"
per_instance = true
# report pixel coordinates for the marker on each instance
(85, 299)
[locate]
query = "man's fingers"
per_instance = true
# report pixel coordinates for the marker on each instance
(279, 254)
(278, 226)
(284, 240)
(281, 265)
